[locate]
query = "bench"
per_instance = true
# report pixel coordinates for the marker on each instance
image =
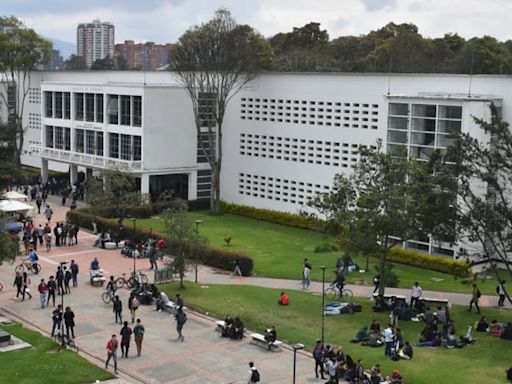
(171, 307)
(220, 325)
(388, 296)
(259, 339)
(436, 302)
(112, 245)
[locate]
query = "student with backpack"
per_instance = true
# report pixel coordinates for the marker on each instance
(138, 333)
(181, 319)
(254, 375)
(474, 299)
(500, 290)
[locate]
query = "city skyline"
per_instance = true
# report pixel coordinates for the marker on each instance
(170, 18)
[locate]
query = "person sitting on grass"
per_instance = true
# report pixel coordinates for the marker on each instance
(238, 329)
(436, 342)
(375, 375)
(427, 334)
(374, 340)
(396, 378)
(406, 352)
(270, 336)
(361, 335)
(507, 332)
(380, 304)
(283, 299)
(496, 329)
(509, 374)
(482, 325)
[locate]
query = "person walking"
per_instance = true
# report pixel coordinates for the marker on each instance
(52, 287)
(112, 346)
(18, 283)
(475, 296)
(306, 274)
(118, 309)
(500, 290)
(67, 279)
(48, 213)
(376, 284)
(74, 272)
(133, 305)
(69, 322)
(318, 355)
(181, 319)
(138, 333)
(39, 202)
(42, 288)
(60, 281)
(126, 337)
(48, 240)
(237, 271)
(26, 284)
(40, 234)
(56, 318)
(254, 375)
(415, 294)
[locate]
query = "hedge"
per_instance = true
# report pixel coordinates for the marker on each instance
(434, 263)
(206, 254)
(276, 217)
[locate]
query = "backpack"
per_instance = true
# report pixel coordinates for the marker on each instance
(36, 258)
(138, 330)
(478, 293)
(255, 376)
(498, 289)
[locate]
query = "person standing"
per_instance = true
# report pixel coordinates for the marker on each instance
(415, 294)
(56, 318)
(26, 284)
(18, 283)
(74, 272)
(376, 283)
(40, 234)
(254, 375)
(181, 319)
(67, 279)
(60, 281)
(112, 346)
(318, 355)
(42, 288)
(48, 213)
(48, 240)
(475, 296)
(500, 290)
(388, 338)
(126, 337)
(118, 309)
(52, 287)
(69, 322)
(138, 333)
(39, 202)
(179, 302)
(306, 281)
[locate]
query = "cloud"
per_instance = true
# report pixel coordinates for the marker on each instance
(375, 5)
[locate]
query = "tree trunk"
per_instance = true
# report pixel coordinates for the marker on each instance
(215, 191)
(382, 268)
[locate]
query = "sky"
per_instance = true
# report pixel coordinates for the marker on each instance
(164, 21)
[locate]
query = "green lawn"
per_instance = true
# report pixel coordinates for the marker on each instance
(42, 364)
(484, 362)
(278, 251)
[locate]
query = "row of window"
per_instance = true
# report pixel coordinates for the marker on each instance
(125, 147)
(58, 137)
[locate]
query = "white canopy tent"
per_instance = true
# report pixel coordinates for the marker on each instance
(14, 206)
(14, 195)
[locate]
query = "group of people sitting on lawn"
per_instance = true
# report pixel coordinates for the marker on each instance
(496, 328)
(233, 328)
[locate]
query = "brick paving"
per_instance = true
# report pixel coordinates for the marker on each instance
(204, 357)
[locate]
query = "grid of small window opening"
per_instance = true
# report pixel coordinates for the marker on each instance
(34, 95)
(279, 189)
(310, 112)
(308, 151)
(34, 120)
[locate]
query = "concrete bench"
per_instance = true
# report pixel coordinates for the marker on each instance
(5, 337)
(171, 307)
(388, 296)
(220, 325)
(112, 245)
(259, 339)
(437, 302)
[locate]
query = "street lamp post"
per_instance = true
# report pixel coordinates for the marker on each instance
(198, 222)
(63, 341)
(133, 219)
(322, 267)
(296, 347)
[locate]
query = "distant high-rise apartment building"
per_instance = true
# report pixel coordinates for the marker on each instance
(95, 41)
(144, 56)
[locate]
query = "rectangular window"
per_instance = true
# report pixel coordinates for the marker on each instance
(99, 143)
(450, 112)
(137, 111)
(125, 110)
(423, 138)
(137, 148)
(67, 139)
(67, 105)
(113, 139)
(126, 147)
(428, 125)
(58, 105)
(113, 109)
(399, 109)
(89, 106)
(48, 102)
(397, 123)
(59, 137)
(89, 142)
(49, 136)
(99, 108)
(79, 106)
(397, 137)
(424, 110)
(79, 140)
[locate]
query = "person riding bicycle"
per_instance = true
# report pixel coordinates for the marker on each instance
(340, 280)
(32, 257)
(111, 286)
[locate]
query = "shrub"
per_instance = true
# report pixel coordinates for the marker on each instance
(207, 255)
(390, 277)
(434, 263)
(324, 248)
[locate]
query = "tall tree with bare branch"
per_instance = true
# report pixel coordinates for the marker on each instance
(213, 62)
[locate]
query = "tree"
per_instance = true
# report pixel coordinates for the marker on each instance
(213, 62)
(105, 64)
(382, 202)
(75, 63)
(186, 241)
(113, 194)
(483, 173)
(21, 51)
(8, 170)
(8, 246)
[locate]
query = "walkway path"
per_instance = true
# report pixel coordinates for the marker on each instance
(204, 357)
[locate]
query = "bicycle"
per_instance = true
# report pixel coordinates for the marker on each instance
(35, 268)
(333, 292)
(65, 342)
(107, 296)
(132, 281)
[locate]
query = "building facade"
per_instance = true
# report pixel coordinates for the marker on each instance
(285, 135)
(144, 56)
(95, 41)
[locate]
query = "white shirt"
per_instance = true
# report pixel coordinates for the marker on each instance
(501, 290)
(416, 292)
(388, 335)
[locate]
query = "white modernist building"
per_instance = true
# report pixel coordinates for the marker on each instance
(285, 136)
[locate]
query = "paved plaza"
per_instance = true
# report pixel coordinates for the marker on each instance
(204, 357)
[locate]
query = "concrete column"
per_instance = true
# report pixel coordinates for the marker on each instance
(73, 173)
(144, 183)
(44, 170)
(192, 185)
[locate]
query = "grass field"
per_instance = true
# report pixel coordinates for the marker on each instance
(42, 364)
(484, 362)
(278, 251)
